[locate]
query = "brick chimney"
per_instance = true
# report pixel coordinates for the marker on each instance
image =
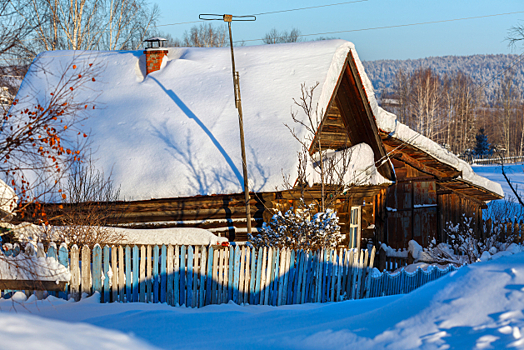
(154, 52)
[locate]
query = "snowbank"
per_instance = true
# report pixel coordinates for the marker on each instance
(477, 307)
(27, 267)
(174, 236)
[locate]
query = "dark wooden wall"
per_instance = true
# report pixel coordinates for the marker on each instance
(418, 208)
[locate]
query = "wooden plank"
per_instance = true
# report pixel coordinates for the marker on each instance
(63, 259)
(170, 293)
(156, 279)
(107, 279)
(86, 270)
(202, 287)
(230, 275)
(267, 276)
(247, 278)
(252, 276)
(189, 276)
(182, 276)
(242, 273)
(142, 281)
(281, 272)
(163, 274)
(340, 271)
(299, 267)
(115, 269)
(221, 274)
(75, 273)
(209, 276)
(215, 279)
(258, 277)
(291, 278)
(149, 275)
(276, 276)
(127, 266)
(176, 280)
(136, 261)
(334, 272)
(196, 277)
(97, 269)
(236, 276)
(16, 285)
(263, 277)
(305, 258)
(271, 284)
(51, 253)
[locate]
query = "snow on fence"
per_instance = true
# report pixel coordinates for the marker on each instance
(403, 282)
(198, 276)
(496, 160)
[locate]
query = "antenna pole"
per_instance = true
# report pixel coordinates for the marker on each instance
(238, 105)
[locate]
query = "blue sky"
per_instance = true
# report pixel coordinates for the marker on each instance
(465, 37)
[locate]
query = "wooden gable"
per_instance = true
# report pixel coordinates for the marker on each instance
(349, 119)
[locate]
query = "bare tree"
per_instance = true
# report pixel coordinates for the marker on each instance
(276, 37)
(204, 35)
(87, 24)
(516, 35)
(41, 137)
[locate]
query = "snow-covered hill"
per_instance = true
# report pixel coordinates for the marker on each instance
(482, 68)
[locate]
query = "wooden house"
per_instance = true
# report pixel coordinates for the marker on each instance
(168, 131)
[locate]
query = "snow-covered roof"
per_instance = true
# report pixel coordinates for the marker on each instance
(175, 132)
(8, 198)
(388, 123)
(357, 165)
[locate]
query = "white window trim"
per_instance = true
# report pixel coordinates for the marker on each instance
(356, 225)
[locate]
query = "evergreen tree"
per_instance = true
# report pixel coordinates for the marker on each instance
(483, 147)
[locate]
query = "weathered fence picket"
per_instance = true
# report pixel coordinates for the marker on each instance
(199, 276)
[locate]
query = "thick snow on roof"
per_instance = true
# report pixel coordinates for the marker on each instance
(356, 163)
(388, 122)
(175, 132)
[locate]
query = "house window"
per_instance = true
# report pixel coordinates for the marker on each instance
(354, 227)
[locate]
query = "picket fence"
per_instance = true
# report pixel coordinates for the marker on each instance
(196, 276)
(403, 282)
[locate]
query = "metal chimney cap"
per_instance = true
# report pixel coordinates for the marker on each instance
(156, 42)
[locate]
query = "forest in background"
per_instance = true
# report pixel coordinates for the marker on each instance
(451, 98)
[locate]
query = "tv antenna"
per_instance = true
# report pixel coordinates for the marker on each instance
(238, 100)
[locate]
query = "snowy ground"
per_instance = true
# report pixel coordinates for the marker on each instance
(477, 307)
(515, 173)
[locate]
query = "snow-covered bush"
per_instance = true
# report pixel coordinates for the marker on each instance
(463, 246)
(300, 229)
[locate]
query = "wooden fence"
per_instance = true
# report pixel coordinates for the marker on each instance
(494, 160)
(199, 276)
(404, 282)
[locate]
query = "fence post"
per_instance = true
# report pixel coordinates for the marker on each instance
(163, 276)
(203, 257)
(86, 270)
(107, 278)
(209, 276)
(170, 298)
(75, 273)
(156, 279)
(97, 269)
(115, 270)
